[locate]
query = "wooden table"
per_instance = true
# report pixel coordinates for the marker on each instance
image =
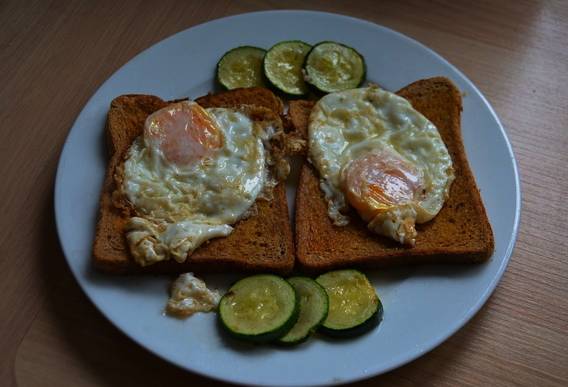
(54, 55)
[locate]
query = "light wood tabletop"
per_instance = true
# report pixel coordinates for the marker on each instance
(53, 57)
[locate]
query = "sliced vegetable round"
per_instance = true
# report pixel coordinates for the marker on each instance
(283, 66)
(241, 67)
(259, 308)
(332, 67)
(313, 309)
(354, 306)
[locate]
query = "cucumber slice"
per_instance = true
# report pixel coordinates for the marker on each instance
(241, 67)
(283, 66)
(332, 67)
(313, 309)
(354, 306)
(259, 308)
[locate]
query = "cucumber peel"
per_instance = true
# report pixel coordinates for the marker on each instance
(354, 307)
(332, 67)
(283, 66)
(259, 308)
(241, 67)
(314, 306)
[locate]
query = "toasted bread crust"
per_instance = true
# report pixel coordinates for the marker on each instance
(460, 233)
(261, 242)
(257, 96)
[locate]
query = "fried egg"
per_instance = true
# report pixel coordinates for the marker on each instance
(192, 174)
(375, 153)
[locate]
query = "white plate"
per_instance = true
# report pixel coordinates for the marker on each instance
(423, 305)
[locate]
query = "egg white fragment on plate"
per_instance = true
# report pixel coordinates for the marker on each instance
(374, 152)
(192, 174)
(190, 295)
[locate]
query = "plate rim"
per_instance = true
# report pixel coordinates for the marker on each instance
(427, 346)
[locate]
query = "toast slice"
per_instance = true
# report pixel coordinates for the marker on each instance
(261, 242)
(460, 233)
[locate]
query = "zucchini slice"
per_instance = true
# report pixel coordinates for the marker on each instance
(313, 309)
(259, 308)
(283, 66)
(241, 67)
(354, 306)
(332, 67)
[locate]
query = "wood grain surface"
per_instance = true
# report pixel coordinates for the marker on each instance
(55, 54)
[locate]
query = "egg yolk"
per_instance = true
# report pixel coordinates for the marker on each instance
(379, 181)
(184, 132)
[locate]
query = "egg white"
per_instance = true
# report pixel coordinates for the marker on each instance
(180, 207)
(346, 125)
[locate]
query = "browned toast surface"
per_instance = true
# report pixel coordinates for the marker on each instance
(459, 233)
(261, 242)
(257, 96)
